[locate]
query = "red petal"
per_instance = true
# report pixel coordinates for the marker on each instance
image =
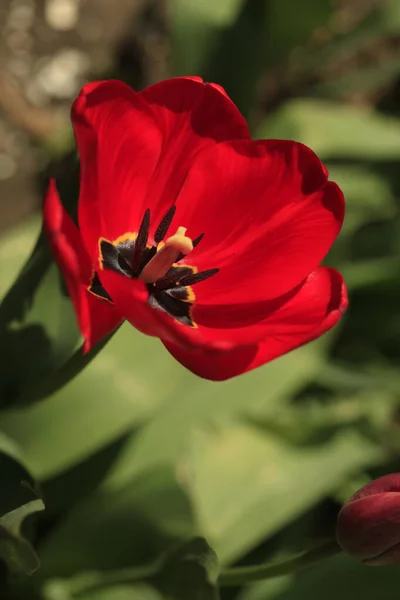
(119, 146)
(367, 525)
(368, 528)
(131, 298)
(192, 115)
(96, 317)
(306, 308)
(136, 149)
(323, 296)
(386, 483)
(268, 214)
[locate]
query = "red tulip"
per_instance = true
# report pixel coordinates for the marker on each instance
(192, 231)
(368, 525)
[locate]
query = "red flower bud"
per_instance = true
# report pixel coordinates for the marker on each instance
(368, 525)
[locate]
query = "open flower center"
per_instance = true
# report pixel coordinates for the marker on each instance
(168, 283)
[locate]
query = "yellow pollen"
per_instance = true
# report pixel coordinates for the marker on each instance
(159, 265)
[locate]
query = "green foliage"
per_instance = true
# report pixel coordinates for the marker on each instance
(133, 525)
(284, 34)
(18, 500)
(196, 27)
(334, 130)
(190, 571)
(232, 30)
(340, 577)
(61, 590)
(37, 322)
(271, 481)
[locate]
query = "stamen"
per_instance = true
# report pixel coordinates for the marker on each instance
(146, 257)
(141, 240)
(197, 277)
(162, 229)
(160, 264)
(195, 242)
(172, 278)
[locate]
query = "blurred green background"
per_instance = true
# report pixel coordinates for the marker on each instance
(136, 454)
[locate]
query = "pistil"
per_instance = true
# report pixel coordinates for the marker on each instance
(177, 245)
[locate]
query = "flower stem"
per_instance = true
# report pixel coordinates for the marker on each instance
(90, 582)
(245, 575)
(83, 584)
(87, 583)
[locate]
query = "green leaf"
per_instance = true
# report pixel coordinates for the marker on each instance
(16, 483)
(113, 395)
(14, 248)
(188, 571)
(191, 571)
(239, 57)
(40, 340)
(335, 130)
(267, 590)
(222, 41)
(37, 322)
(195, 28)
(118, 391)
(15, 550)
(369, 199)
(366, 192)
(60, 590)
(130, 527)
(38, 326)
(232, 41)
(196, 402)
(245, 485)
(82, 479)
(339, 577)
(140, 592)
(17, 501)
(365, 273)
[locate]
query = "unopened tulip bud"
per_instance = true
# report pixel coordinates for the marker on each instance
(368, 526)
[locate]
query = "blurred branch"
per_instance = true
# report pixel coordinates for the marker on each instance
(244, 575)
(91, 582)
(38, 123)
(340, 376)
(358, 42)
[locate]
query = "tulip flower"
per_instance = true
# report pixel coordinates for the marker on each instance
(368, 525)
(193, 232)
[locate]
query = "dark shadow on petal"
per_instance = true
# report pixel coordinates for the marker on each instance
(211, 114)
(311, 168)
(338, 300)
(240, 315)
(216, 366)
(333, 200)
